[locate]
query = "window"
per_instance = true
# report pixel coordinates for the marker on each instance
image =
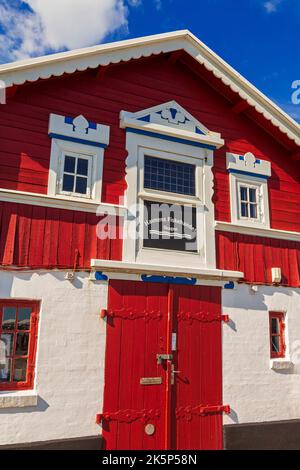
(166, 175)
(171, 227)
(18, 336)
(76, 175)
(277, 333)
(248, 202)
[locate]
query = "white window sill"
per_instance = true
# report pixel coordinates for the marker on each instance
(281, 364)
(18, 399)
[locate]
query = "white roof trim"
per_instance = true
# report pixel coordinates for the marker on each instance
(68, 62)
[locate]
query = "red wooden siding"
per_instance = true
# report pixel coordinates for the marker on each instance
(255, 256)
(25, 146)
(40, 237)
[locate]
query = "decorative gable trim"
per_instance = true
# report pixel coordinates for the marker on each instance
(248, 164)
(171, 121)
(79, 130)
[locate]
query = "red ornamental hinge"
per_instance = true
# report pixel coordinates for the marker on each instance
(202, 410)
(225, 318)
(128, 416)
(125, 314)
(103, 313)
(205, 317)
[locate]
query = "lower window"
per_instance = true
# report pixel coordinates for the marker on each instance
(18, 338)
(277, 334)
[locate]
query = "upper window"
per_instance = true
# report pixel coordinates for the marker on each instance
(77, 152)
(18, 337)
(170, 176)
(249, 190)
(277, 336)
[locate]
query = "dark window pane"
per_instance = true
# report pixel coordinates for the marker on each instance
(20, 370)
(24, 318)
(165, 175)
(253, 211)
(70, 164)
(243, 193)
(244, 209)
(82, 167)
(252, 193)
(9, 318)
(276, 344)
(5, 370)
(68, 183)
(22, 344)
(81, 185)
(275, 326)
(6, 346)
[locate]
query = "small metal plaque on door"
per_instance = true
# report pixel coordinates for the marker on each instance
(151, 381)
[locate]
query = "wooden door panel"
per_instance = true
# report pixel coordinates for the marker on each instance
(199, 361)
(136, 328)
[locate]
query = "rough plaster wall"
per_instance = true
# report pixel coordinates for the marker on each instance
(255, 392)
(70, 357)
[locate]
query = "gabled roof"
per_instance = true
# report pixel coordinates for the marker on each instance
(17, 73)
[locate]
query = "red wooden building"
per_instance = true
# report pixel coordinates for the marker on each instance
(149, 253)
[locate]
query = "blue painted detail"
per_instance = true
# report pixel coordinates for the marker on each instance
(79, 141)
(92, 125)
(69, 120)
(248, 173)
(198, 131)
(169, 138)
(229, 285)
(99, 276)
(258, 162)
(241, 157)
(145, 118)
(169, 280)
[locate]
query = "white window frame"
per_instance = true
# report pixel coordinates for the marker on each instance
(133, 250)
(261, 185)
(60, 148)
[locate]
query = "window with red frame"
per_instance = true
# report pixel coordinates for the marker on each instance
(277, 333)
(18, 338)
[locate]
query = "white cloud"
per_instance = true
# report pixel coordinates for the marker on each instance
(272, 5)
(53, 25)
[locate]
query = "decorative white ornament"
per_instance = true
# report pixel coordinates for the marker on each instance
(81, 124)
(249, 159)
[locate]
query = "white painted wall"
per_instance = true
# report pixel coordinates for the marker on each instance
(70, 357)
(71, 348)
(255, 392)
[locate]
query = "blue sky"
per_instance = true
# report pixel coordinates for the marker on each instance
(260, 38)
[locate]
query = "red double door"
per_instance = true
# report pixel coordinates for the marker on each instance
(163, 367)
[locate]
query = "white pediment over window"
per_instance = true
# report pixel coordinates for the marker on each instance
(170, 119)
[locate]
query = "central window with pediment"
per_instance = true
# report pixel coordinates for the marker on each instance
(169, 188)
